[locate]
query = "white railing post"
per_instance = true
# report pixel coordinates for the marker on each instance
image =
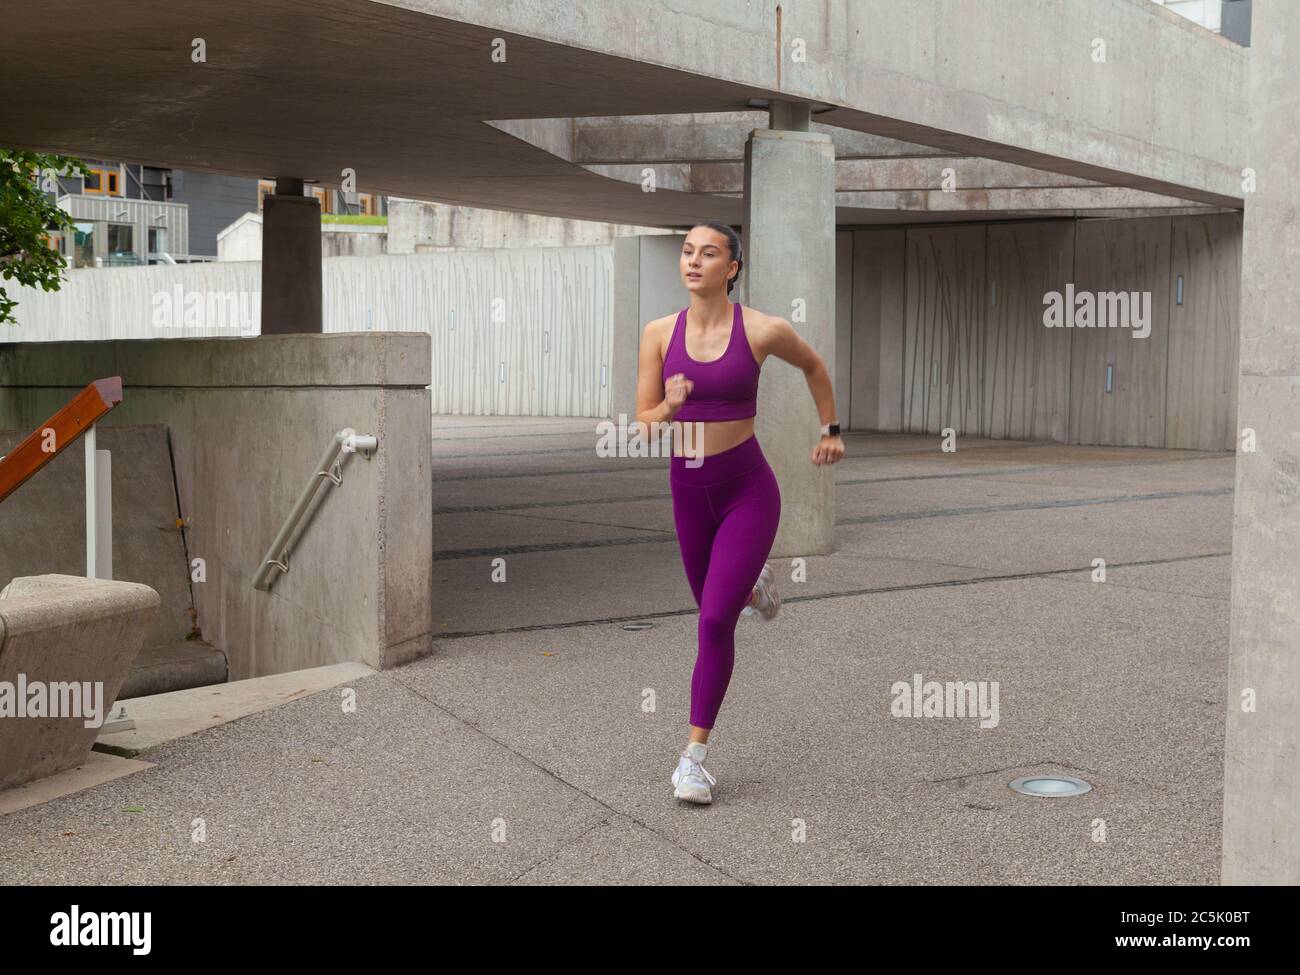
(92, 536)
(99, 509)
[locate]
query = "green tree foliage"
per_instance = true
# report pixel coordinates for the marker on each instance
(27, 217)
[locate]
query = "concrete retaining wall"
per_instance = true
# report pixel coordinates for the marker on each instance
(43, 523)
(249, 419)
(43, 530)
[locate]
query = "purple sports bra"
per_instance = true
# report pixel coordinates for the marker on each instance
(725, 388)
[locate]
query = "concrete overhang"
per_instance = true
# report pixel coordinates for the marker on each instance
(402, 92)
(978, 184)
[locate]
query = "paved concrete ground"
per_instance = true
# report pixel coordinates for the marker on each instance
(966, 566)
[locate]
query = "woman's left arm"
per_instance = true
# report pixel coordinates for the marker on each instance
(785, 343)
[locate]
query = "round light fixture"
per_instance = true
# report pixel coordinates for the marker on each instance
(1050, 786)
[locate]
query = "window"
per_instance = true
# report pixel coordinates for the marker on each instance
(326, 198)
(83, 245)
(265, 187)
(121, 249)
(104, 180)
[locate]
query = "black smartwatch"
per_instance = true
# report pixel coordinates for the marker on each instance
(831, 430)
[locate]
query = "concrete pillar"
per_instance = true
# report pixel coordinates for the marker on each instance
(789, 244)
(789, 116)
(626, 345)
(647, 285)
(1261, 783)
(291, 261)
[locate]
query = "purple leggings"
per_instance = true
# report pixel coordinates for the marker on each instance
(726, 510)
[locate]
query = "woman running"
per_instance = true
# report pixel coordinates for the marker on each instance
(701, 367)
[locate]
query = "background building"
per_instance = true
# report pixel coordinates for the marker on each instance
(127, 214)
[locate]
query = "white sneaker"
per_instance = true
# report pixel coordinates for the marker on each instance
(691, 780)
(768, 603)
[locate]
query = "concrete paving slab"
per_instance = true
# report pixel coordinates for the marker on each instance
(887, 499)
(468, 601)
(616, 850)
(486, 536)
(586, 490)
(1179, 474)
(1038, 539)
(1207, 576)
(562, 737)
(165, 717)
(98, 769)
(396, 792)
(1122, 685)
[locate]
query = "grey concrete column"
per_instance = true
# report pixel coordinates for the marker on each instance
(1261, 783)
(291, 261)
(647, 285)
(627, 328)
(789, 116)
(789, 243)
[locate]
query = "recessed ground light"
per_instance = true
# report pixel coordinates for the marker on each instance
(638, 625)
(1050, 786)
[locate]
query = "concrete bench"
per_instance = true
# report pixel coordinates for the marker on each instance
(66, 645)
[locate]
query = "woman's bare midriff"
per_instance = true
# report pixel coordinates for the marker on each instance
(716, 436)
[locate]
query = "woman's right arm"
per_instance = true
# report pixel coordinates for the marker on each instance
(656, 403)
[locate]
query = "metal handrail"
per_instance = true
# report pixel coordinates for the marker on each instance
(76, 418)
(330, 467)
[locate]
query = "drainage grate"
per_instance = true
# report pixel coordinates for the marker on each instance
(1050, 786)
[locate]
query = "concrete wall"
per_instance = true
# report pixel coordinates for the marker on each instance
(948, 325)
(520, 332)
(249, 419)
(1025, 396)
(353, 239)
(241, 240)
(420, 227)
(1261, 782)
(551, 322)
(121, 303)
(514, 332)
(1128, 255)
(878, 308)
(1204, 332)
(43, 523)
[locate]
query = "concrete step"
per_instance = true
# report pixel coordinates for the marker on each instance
(174, 667)
(161, 718)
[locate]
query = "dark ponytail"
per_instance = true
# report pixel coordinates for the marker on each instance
(733, 243)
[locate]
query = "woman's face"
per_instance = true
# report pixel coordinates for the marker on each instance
(706, 261)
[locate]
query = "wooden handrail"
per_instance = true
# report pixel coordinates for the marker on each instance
(77, 416)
